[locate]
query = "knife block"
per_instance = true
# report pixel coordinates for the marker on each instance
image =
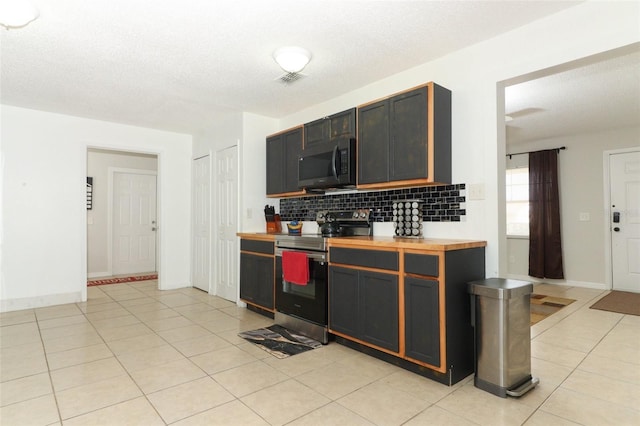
(274, 227)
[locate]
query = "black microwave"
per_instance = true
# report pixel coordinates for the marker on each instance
(328, 165)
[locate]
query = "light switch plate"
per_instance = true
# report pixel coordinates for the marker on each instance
(475, 191)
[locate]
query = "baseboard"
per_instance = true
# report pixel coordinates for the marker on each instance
(172, 286)
(9, 305)
(91, 275)
(569, 283)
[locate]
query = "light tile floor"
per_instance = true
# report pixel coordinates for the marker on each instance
(135, 355)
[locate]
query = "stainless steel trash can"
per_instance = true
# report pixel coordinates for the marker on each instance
(500, 314)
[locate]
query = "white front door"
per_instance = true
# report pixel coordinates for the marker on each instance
(624, 170)
(134, 223)
(201, 223)
(226, 212)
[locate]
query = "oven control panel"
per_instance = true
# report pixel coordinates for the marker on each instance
(358, 215)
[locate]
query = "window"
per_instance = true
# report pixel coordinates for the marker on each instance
(518, 202)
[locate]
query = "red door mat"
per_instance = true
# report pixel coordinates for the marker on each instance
(122, 280)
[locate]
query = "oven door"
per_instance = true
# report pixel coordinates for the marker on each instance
(308, 301)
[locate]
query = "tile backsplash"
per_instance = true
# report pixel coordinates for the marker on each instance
(444, 203)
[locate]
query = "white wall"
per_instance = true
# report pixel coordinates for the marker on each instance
(581, 191)
(98, 164)
(249, 132)
(475, 76)
(44, 227)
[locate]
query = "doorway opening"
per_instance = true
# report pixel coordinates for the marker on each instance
(590, 106)
(122, 220)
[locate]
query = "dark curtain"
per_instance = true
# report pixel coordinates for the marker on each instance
(545, 247)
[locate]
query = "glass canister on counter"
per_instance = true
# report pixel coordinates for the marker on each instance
(407, 218)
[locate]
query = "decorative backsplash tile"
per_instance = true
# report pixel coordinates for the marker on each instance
(443, 203)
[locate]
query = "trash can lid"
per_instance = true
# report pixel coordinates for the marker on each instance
(500, 288)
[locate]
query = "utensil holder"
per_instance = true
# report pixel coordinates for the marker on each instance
(294, 229)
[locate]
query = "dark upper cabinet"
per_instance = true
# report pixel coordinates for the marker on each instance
(406, 138)
(408, 135)
(282, 161)
(336, 126)
(275, 164)
(373, 129)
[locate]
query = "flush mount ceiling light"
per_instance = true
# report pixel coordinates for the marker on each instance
(292, 59)
(17, 13)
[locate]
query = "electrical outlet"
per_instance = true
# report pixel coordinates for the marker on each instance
(585, 217)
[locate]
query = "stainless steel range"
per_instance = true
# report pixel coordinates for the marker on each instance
(301, 304)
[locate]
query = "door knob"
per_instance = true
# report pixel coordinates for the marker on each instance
(616, 229)
(154, 228)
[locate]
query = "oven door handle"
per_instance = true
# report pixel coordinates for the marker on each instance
(314, 255)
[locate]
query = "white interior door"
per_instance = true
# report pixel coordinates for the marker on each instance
(624, 170)
(134, 223)
(201, 223)
(226, 212)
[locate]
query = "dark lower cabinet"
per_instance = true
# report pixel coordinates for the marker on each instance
(343, 294)
(364, 305)
(422, 320)
(379, 309)
(427, 330)
(257, 279)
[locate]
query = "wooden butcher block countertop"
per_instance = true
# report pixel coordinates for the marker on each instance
(436, 244)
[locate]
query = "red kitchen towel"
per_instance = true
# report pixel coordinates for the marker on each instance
(295, 267)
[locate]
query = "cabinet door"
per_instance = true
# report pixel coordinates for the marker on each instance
(343, 125)
(292, 148)
(316, 132)
(343, 300)
(373, 143)
(257, 279)
(275, 165)
(422, 320)
(379, 309)
(408, 135)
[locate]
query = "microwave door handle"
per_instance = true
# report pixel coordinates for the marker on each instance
(333, 162)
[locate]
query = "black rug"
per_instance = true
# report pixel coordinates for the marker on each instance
(279, 341)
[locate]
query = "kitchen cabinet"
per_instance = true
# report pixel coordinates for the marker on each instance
(422, 320)
(405, 139)
(364, 305)
(282, 163)
(257, 273)
(364, 301)
(378, 309)
(336, 126)
(343, 292)
(405, 301)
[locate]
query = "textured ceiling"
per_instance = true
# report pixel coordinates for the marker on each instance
(174, 65)
(595, 95)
